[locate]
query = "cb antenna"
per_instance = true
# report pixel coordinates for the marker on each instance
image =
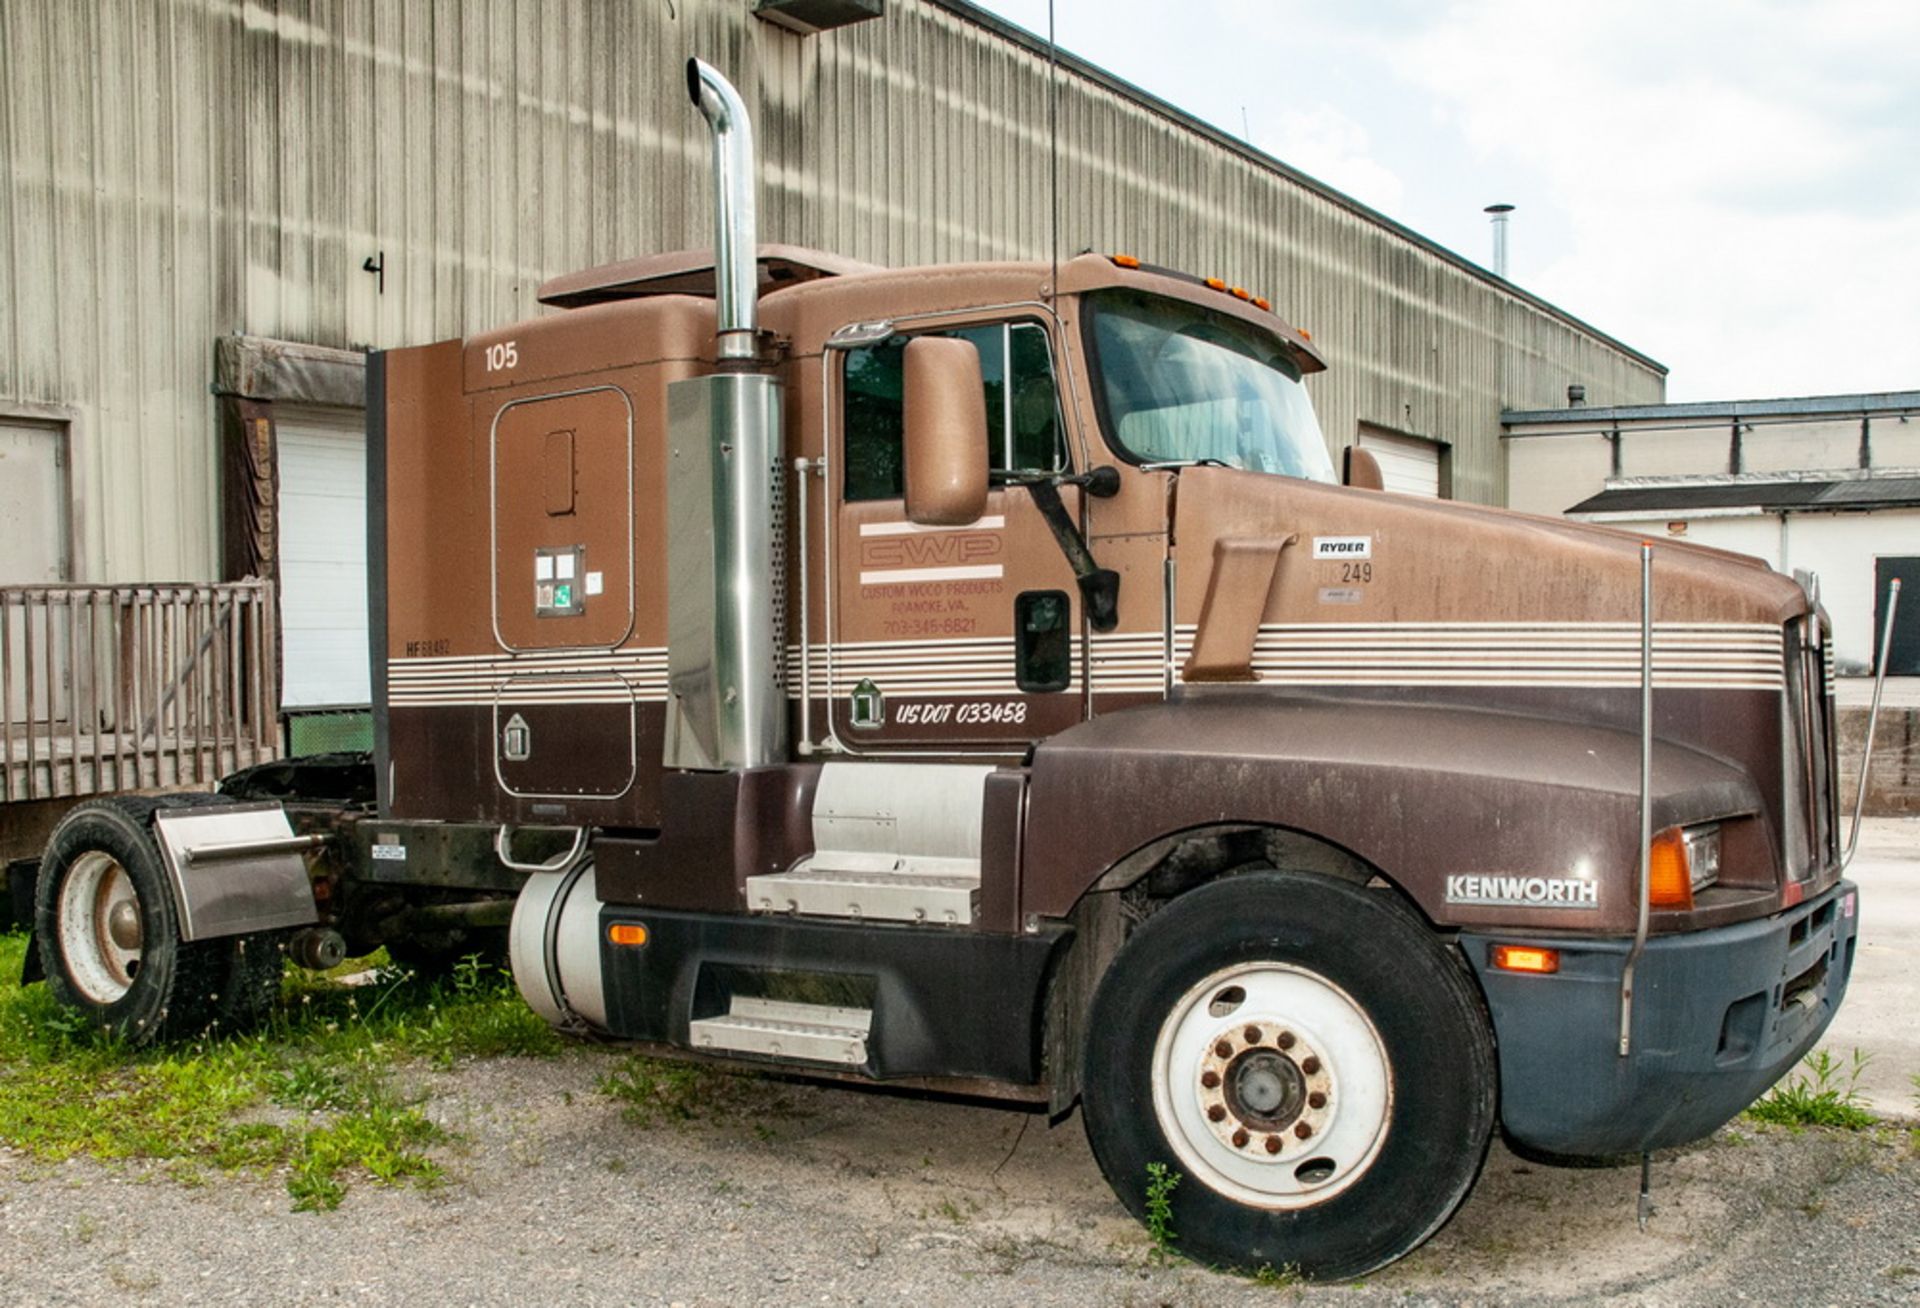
(1053, 154)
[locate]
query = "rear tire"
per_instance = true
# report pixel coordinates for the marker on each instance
(1316, 1066)
(109, 936)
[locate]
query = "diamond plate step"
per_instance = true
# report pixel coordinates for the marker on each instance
(881, 896)
(816, 1033)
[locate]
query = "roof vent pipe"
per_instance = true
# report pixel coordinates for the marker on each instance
(735, 239)
(1499, 212)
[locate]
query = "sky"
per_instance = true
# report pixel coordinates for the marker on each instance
(1730, 186)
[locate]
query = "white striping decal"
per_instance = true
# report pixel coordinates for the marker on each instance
(992, 522)
(1598, 655)
(967, 572)
(565, 677)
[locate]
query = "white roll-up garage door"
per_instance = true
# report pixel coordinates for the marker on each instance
(323, 557)
(1408, 464)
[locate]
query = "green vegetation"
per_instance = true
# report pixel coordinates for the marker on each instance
(651, 1091)
(314, 1095)
(1161, 1183)
(1287, 1277)
(1825, 1095)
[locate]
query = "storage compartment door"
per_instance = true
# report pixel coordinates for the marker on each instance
(563, 521)
(564, 736)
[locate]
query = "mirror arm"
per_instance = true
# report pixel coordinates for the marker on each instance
(1099, 587)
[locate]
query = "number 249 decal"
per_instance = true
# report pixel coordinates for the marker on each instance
(503, 356)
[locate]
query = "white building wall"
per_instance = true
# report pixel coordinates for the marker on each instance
(1840, 547)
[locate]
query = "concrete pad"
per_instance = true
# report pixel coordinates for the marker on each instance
(1881, 1016)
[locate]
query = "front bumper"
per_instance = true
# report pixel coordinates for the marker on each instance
(1718, 1016)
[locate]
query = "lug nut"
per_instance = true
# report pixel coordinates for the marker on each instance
(1273, 1144)
(1316, 1100)
(1217, 1113)
(1253, 1035)
(1210, 1079)
(1223, 1050)
(1310, 1065)
(1286, 1040)
(1301, 1130)
(1240, 1139)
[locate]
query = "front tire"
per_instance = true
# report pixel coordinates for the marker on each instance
(1316, 1066)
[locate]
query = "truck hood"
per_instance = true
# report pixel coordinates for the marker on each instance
(1443, 562)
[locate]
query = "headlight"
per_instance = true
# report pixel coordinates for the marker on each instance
(1681, 861)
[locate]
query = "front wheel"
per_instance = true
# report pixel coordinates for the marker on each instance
(1310, 1060)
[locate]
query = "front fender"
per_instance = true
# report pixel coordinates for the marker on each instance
(1422, 792)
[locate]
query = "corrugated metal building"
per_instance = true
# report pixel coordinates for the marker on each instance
(189, 184)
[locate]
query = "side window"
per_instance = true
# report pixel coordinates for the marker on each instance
(1023, 414)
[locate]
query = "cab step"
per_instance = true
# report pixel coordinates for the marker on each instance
(814, 1033)
(814, 891)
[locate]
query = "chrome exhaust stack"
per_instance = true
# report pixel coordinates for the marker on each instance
(726, 531)
(736, 248)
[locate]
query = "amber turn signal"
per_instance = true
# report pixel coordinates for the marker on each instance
(1526, 958)
(1669, 879)
(627, 933)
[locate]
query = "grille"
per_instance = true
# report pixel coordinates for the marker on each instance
(1812, 784)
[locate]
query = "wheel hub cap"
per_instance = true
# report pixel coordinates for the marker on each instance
(100, 926)
(123, 924)
(1272, 1085)
(1266, 1090)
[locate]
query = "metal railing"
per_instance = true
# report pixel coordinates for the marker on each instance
(118, 688)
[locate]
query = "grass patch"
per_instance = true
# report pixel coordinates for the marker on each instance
(1826, 1094)
(652, 1091)
(312, 1095)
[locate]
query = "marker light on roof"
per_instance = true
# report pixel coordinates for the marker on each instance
(1124, 260)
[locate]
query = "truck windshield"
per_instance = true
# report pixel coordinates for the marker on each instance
(1179, 383)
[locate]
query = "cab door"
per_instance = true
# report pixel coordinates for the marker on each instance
(945, 639)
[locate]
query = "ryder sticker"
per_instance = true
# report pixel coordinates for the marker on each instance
(1343, 547)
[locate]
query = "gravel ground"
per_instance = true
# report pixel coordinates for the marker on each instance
(789, 1193)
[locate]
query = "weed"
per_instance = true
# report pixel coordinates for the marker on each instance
(651, 1091)
(325, 1060)
(1161, 1183)
(1284, 1278)
(1829, 1096)
(138, 1282)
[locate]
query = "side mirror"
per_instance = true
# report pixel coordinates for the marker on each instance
(1363, 470)
(946, 438)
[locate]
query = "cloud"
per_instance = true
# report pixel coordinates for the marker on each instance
(1733, 178)
(1324, 143)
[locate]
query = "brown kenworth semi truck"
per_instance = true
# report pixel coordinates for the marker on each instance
(968, 679)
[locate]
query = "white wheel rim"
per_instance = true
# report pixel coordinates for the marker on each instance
(1294, 1075)
(96, 891)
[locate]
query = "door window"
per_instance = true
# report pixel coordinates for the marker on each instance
(1023, 415)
